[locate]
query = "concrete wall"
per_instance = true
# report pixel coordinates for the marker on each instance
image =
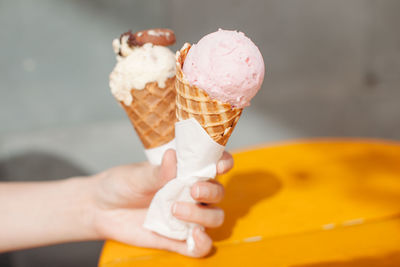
(333, 69)
(332, 66)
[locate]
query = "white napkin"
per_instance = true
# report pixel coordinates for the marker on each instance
(197, 156)
(155, 155)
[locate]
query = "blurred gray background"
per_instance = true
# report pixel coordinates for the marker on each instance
(333, 69)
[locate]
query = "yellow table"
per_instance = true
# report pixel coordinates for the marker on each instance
(316, 203)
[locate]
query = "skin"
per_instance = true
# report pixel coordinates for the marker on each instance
(108, 205)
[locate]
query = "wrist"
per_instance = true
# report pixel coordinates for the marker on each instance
(83, 208)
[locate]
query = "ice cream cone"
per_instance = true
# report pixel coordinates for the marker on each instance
(152, 113)
(143, 81)
(218, 119)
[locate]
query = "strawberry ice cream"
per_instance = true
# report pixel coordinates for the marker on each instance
(227, 65)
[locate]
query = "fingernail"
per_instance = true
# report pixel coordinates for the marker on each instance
(203, 192)
(197, 192)
(181, 210)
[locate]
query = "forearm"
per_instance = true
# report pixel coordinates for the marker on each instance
(43, 213)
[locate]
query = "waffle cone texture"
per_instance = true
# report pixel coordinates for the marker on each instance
(218, 119)
(152, 113)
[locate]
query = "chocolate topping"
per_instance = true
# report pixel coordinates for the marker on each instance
(164, 37)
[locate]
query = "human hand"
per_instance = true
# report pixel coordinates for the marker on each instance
(123, 194)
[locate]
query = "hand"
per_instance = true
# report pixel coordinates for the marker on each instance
(123, 194)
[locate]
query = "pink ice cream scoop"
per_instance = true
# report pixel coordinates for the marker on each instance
(227, 65)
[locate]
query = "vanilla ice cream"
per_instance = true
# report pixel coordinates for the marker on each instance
(138, 65)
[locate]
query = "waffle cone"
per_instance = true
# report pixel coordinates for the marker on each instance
(152, 113)
(217, 118)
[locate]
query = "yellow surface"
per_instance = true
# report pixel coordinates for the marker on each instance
(321, 203)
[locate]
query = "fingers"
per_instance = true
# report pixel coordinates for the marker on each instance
(206, 216)
(225, 163)
(209, 192)
(203, 244)
(132, 232)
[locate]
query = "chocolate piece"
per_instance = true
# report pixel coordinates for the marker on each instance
(164, 37)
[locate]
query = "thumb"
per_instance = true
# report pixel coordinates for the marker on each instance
(167, 170)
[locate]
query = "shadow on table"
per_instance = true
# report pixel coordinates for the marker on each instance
(388, 260)
(40, 166)
(243, 191)
(377, 175)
